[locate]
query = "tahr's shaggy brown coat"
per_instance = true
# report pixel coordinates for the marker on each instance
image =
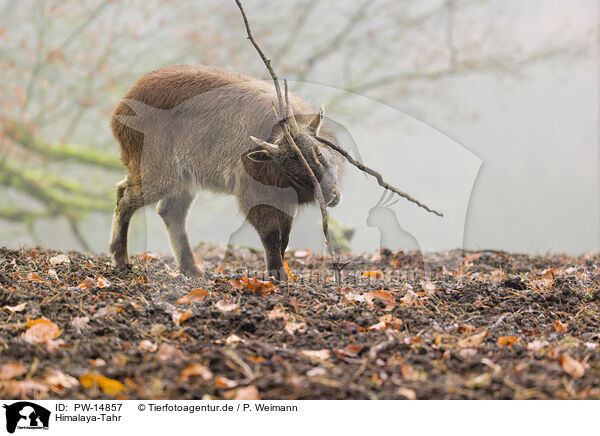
(184, 128)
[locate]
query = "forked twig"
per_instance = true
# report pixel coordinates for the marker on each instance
(375, 174)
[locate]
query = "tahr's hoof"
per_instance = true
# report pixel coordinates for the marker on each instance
(193, 273)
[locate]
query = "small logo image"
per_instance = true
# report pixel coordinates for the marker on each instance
(26, 415)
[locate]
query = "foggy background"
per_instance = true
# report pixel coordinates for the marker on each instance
(486, 110)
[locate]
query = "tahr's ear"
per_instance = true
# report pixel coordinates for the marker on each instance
(259, 156)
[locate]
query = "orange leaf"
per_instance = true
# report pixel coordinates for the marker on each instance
(219, 271)
(507, 341)
(224, 382)
(349, 350)
(195, 296)
(108, 385)
(41, 330)
(561, 326)
(180, 316)
(33, 277)
(571, 366)
(384, 296)
(255, 285)
(374, 274)
(149, 256)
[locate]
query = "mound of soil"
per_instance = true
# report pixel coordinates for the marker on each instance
(455, 325)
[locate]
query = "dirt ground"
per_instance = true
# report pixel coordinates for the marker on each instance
(461, 325)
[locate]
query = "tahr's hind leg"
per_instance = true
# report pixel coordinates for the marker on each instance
(173, 210)
(129, 199)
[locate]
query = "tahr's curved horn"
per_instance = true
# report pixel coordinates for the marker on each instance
(295, 130)
(319, 120)
(267, 146)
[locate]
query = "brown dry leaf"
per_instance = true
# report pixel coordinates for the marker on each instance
(195, 296)
(507, 341)
(219, 271)
(409, 394)
(573, 367)
(386, 297)
(316, 354)
(101, 282)
(373, 274)
(196, 370)
(473, 340)
(57, 380)
(560, 326)
(149, 256)
(410, 298)
(233, 339)
(224, 382)
(254, 285)
(428, 288)
(226, 305)
(105, 311)
(292, 327)
(289, 271)
(277, 312)
(349, 350)
(17, 308)
(466, 328)
(60, 259)
(180, 316)
(80, 322)
(108, 385)
(387, 321)
(350, 295)
(12, 370)
(98, 362)
(21, 388)
(169, 352)
(147, 345)
(41, 331)
(246, 393)
(33, 277)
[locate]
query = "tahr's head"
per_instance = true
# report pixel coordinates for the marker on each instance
(323, 161)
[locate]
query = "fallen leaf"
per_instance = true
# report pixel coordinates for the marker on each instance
(233, 339)
(409, 394)
(473, 340)
(53, 276)
(196, 370)
(254, 285)
(149, 256)
(349, 350)
(101, 282)
(226, 305)
(373, 274)
(479, 381)
(387, 321)
(42, 331)
(560, 326)
(507, 341)
(224, 382)
(277, 312)
(11, 370)
(180, 316)
(108, 385)
(410, 298)
(571, 366)
(21, 388)
(386, 297)
(98, 362)
(289, 271)
(147, 345)
(428, 287)
(292, 327)
(17, 308)
(57, 380)
(80, 322)
(316, 354)
(350, 295)
(317, 371)
(195, 296)
(219, 271)
(60, 259)
(169, 352)
(33, 277)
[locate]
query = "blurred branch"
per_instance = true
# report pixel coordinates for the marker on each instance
(60, 151)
